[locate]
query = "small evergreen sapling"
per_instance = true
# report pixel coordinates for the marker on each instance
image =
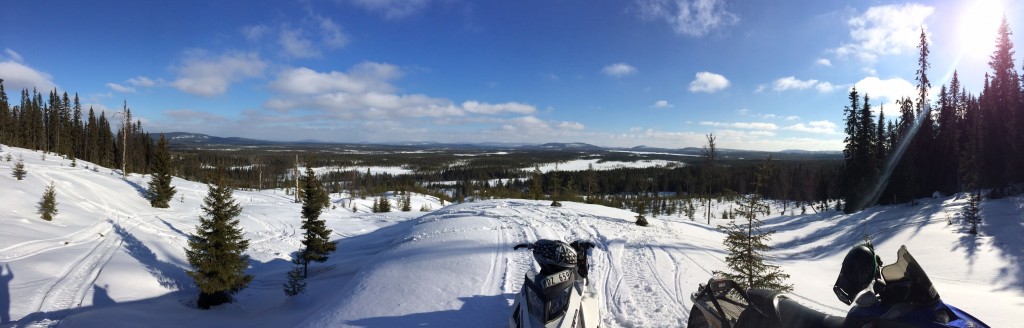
(747, 243)
(19, 170)
(48, 205)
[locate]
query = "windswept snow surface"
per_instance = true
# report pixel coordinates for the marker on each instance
(110, 260)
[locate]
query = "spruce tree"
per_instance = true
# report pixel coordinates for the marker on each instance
(48, 205)
(407, 203)
(316, 238)
(216, 250)
(19, 170)
(747, 243)
(555, 184)
(385, 205)
(160, 190)
(536, 183)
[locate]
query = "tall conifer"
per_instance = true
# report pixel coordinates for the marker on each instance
(316, 238)
(160, 190)
(216, 250)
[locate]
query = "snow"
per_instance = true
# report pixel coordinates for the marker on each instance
(584, 164)
(110, 260)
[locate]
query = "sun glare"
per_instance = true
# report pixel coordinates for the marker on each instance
(978, 24)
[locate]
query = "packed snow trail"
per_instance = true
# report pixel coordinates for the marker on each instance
(643, 280)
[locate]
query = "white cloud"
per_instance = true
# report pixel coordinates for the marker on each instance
(695, 18)
(821, 127)
(205, 75)
(332, 35)
(885, 30)
(791, 82)
(890, 89)
(363, 78)
(19, 76)
(708, 82)
(295, 45)
(743, 125)
(476, 107)
(823, 62)
(571, 126)
(392, 9)
(760, 88)
(254, 32)
(661, 104)
(16, 57)
(825, 87)
(619, 70)
(142, 81)
(120, 88)
(792, 118)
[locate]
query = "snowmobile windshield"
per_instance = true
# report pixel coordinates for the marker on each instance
(549, 296)
(906, 281)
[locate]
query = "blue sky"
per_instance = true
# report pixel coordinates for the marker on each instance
(765, 75)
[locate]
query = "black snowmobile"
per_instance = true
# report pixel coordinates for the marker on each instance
(557, 296)
(896, 295)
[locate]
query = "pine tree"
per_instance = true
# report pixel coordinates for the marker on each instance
(407, 203)
(160, 190)
(385, 205)
(216, 250)
(554, 187)
(19, 170)
(536, 183)
(709, 152)
(747, 243)
(316, 238)
(48, 205)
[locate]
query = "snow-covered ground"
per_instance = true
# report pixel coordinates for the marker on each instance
(110, 260)
(585, 164)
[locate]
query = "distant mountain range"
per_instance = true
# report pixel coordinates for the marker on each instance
(199, 140)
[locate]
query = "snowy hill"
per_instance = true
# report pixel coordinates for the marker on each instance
(108, 259)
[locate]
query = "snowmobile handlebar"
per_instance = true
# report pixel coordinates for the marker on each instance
(526, 245)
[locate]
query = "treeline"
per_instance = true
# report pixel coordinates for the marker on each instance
(962, 142)
(58, 125)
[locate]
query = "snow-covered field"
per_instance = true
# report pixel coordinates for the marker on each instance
(585, 164)
(110, 260)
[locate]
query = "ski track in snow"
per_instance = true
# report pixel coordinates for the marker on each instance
(76, 278)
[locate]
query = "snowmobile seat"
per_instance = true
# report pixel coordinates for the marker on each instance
(772, 309)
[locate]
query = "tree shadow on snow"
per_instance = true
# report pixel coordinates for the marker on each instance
(476, 311)
(176, 230)
(1003, 221)
(6, 275)
(139, 189)
(168, 275)
(880, 223)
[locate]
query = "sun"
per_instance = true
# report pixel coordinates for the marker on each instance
(979, 21)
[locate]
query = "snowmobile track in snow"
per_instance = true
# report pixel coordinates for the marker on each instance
(71, 286)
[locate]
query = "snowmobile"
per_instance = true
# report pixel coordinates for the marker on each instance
(557, 296)
(896, 295)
